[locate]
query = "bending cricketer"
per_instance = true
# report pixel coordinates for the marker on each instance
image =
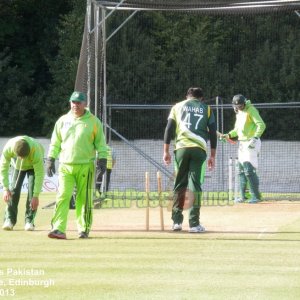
(26, 155)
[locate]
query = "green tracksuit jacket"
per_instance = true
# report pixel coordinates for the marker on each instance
(248, 123)
(76, 140)
(35, 161)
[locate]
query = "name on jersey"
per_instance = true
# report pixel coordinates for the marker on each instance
(198, 110)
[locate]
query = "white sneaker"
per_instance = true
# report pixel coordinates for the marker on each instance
(8, 225)
(197, 229)
(29, 227)
(239, 200)
(177, 227)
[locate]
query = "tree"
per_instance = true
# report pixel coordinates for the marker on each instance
(14, 113)
(63, 66)
(28, 34)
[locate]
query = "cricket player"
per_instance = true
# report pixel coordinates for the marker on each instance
(192, 122)
(111, 161)
(26, 156)
(249, 127)
(77, 138)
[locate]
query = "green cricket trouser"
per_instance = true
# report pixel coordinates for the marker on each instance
(190, 170)
(11, 211)
(81, 176)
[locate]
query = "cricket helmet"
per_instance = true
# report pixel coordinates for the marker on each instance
(78, 97)
(238, 101)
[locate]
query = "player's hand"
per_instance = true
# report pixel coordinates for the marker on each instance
(50, 166)
(102, 162)
(211, 163)
(167, 158)
(253, 143)
(34, 203)
(224, 137)
(7, 196)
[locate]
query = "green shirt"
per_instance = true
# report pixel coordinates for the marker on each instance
(35, 161)
(76, 140)
(192, 118)
(248, 123)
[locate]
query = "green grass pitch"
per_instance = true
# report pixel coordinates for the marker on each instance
(248, 252)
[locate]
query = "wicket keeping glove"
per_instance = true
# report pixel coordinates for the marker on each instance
(50, 166)
(253, 143)
(102, 165)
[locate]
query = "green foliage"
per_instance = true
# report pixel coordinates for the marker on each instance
(168, 52)
(153, 59)
(158, 55)
(63, 66)
(28, 33)
(14, 104)
(176, 52)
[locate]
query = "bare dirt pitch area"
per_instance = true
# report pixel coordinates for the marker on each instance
(257, 221)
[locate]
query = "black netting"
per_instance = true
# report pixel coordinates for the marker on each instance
(224, 6)
(171, 45)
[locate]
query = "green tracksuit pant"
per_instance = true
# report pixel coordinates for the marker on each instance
(189, 163)
(81, 176)
(11, 212)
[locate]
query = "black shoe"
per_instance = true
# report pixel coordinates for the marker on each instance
(83, 235)
(56, 234)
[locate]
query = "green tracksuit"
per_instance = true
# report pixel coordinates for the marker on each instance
(32, 166)
(76, 141)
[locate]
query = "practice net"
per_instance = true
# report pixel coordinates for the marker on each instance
(139, 57)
